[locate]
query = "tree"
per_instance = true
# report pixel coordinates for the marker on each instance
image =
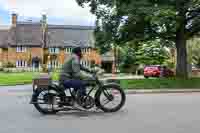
(107, 26)
(152, 53)
(174, 21)
(128, 59)
(193, 52)
(143, 53)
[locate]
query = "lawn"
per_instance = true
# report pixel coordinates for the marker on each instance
(16, 78)
(20, 78)
(161, 83)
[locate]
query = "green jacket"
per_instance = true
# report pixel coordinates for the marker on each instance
(72, 69)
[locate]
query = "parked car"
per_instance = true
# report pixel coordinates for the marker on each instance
(157, 71)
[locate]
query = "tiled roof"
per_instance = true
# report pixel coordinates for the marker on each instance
(74, 27)
(3, 38)
(28, 34)
(70, 36)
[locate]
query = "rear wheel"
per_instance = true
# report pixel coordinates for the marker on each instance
(46, 101)
(111, 99)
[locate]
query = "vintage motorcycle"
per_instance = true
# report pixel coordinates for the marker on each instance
(108, 97)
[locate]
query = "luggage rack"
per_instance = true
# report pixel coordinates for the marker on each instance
(42, 81)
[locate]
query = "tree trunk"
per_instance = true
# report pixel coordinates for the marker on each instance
(181, 67)
(115, 59)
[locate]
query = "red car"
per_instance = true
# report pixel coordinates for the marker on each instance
(157, 71)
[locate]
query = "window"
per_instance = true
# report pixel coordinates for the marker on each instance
(85, 50)
(89, 50)
(21, 63)
(85, 63)
(68, 50)
(20, 49)
(54, 50)
(53, 64)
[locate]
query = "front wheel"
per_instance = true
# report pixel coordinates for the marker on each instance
(110, 99)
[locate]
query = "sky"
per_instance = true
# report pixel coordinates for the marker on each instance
(58, 11)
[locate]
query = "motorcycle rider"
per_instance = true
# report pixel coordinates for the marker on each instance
(72, 74)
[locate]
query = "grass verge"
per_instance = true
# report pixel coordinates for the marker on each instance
(16, 78)
(193, 83)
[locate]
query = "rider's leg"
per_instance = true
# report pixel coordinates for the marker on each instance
(77, 85)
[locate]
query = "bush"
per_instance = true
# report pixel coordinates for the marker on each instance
(170, 64)
(44, 68)
(9, 65)
(6, 70)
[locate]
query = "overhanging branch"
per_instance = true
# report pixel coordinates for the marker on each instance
(192, 14)
(193, 31)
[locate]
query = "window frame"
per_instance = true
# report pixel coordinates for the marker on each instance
(68, 50)
(21, 63)
(54, 50)
(21, 49)
(53, 64)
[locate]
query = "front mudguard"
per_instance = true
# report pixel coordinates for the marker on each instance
(108, 85)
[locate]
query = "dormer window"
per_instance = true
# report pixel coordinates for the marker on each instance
(21, 49)
(85, 50)
(54, 50)
(68, 50)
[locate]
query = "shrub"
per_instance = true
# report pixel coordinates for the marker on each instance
(44, 68)
(9, 65)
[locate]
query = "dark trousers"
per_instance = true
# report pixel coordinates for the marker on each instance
(77, 85)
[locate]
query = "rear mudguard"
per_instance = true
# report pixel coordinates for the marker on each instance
(50, 87)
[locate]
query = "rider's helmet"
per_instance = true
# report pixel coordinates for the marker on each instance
(77, 51)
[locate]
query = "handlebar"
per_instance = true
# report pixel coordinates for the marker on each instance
(96, 73)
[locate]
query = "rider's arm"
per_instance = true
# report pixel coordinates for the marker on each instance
(76, 67)
(85, 69)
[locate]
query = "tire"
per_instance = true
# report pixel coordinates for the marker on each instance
(102, 107)
(37, 106)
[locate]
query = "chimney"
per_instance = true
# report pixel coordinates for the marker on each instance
(44, 29)
(14, 19)
(44, 19)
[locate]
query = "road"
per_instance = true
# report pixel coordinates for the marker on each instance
(150, 113)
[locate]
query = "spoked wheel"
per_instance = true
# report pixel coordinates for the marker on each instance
(111, 98)
(47, 101)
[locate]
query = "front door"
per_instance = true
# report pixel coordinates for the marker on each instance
(36, 64)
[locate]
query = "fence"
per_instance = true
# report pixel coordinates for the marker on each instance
(29, 69)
